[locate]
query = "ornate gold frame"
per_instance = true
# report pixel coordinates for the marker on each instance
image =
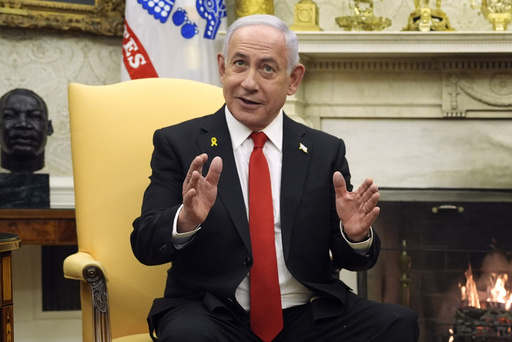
(105, 17)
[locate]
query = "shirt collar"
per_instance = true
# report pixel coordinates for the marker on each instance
(239, 132)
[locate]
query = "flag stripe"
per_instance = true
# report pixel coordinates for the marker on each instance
(135, 58)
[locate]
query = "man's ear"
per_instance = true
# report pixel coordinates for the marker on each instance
(222, 64)
(295, 78)
(49, 130)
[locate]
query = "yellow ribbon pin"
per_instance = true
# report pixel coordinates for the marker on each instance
(214, 141)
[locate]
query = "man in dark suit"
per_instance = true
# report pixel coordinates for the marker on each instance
(196, 212)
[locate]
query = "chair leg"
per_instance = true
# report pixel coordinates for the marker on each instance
(101, 314)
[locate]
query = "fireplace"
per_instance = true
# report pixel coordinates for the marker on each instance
(425, 116)
(445, 233)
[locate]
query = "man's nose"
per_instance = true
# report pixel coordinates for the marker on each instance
(250, 82)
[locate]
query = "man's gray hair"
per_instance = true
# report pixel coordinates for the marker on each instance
(266, 20)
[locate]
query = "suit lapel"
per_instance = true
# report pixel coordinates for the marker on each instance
(216, 141)
(296, 158)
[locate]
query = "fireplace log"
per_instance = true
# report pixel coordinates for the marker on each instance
(482, 325)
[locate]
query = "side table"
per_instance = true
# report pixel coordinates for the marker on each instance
(8, 242)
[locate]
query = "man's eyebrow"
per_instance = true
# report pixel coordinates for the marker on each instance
(262, 60)
(269, 60)
(240, 55)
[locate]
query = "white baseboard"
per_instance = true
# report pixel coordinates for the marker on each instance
(62, 193)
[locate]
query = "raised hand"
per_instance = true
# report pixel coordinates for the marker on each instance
(358, 209)
(199, 193)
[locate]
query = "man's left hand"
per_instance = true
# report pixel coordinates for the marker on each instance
(357, 210)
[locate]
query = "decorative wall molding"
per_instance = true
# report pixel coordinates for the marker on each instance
(483, 94)
(373, 64)
(476, 63)
(408, 64)
(405, 75)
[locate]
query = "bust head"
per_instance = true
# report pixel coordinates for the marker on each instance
(24, 127)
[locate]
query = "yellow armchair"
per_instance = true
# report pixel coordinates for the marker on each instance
(111, 131)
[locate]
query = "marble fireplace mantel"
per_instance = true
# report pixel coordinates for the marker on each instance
(471, 70)
(313, 45)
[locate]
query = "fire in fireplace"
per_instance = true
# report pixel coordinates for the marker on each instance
(484, 312)
(446, 230)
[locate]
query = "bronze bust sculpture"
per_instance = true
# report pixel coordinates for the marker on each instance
(24, 127)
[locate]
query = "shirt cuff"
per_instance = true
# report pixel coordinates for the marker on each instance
(180, 240)
(362, 247)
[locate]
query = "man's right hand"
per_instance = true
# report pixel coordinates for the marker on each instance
(199, 193)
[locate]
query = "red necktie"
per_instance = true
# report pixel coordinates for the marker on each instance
(266, 313)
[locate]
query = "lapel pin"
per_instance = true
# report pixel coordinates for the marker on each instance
(214, 141)
(303, 148)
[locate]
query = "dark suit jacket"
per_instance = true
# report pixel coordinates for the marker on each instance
(219, 257)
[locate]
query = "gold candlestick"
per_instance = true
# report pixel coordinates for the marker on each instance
(497, 12)
(247, 7)
(363, 18)
(306, 16)
(426, 19)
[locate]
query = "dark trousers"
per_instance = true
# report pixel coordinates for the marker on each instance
(365, 321)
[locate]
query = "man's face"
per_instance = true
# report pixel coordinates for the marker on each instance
(254, 75)
(24, 126)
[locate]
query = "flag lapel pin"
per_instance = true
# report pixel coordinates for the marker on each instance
(303, 148)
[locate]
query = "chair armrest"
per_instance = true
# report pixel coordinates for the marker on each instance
(82, 266)
(76, 264)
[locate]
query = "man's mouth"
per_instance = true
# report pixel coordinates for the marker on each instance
(248, 102)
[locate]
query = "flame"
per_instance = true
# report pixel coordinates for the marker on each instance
(497, 298)
(451, 339)
(469, 292)
(497, 293)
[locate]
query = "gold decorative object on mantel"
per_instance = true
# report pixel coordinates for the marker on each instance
(244, 8)
(497, 12)
(363, 18)
(306, 16)
(426, 19)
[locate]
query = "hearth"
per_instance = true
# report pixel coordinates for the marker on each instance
(446, 233)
